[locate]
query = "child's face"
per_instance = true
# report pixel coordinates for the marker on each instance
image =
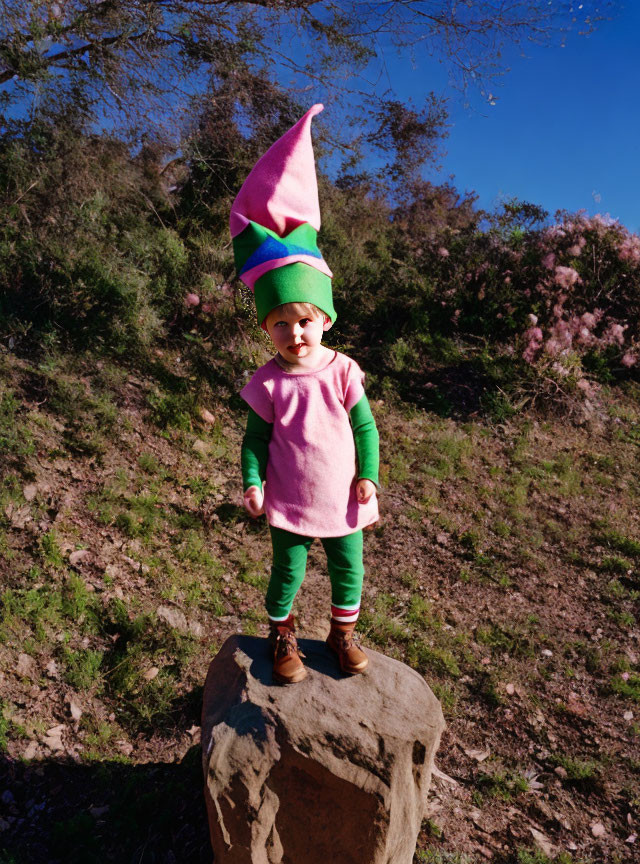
(296, 335)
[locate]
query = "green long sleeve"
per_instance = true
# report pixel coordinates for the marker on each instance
(255, 450)
(365, 435)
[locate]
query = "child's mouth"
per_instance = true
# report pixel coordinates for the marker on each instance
(296, 349)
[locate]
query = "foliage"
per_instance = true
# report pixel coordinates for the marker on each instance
(119, 247)
(85, 254)
(422, 283)
(138, 63)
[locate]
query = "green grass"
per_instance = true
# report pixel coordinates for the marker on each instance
(83, 668)
(509, 639)
(585, 775)
(620, 542)
(38, 613)
(501, 784)
(140, 643)
(50, 551)
(250, 571)
(418, 633)
(625, 620)
(173, 410)
(628, 687)
(201, 488)
(536, 856)
(490, 506)
(149, 463)
(447, 695)
(616, 564)
(4, 727)
(16, 439)
(434, 856)
(100, 739)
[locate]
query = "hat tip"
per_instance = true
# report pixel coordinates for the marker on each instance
(316, 109)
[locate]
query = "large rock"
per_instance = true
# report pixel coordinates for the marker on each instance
(331, 769)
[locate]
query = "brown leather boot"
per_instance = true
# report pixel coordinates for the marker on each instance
(287, 665)
(351, 657)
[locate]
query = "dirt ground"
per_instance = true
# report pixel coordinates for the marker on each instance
(505, 568)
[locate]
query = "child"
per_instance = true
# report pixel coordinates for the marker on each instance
(309, 420)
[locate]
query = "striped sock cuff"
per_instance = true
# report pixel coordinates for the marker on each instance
(345, 616)
(278, 620)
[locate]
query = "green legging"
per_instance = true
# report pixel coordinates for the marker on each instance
(344, 559)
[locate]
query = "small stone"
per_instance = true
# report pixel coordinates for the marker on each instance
(207, 416)
(561, 819)
(543, 842)
(124, 747)
(444, 778)
(74, 709)
(561, 772)
(631, 838)
(78, 556)
(478, 755)
(131, 562)
(628, 715)
(200, 447)
(598, 829)
(195, 629)
(547, 653)
(150, 674)
(31, 751)
(510, 689)
(26, 667)
(485, 661)
(173, 617)
(480, 822)
(53, 738)
(30, 492)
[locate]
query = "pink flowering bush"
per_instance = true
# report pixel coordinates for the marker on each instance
(565, 294)
(588, 297)
(517, 300)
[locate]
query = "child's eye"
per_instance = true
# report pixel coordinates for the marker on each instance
(304, 321)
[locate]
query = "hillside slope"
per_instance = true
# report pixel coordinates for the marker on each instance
(505, 569)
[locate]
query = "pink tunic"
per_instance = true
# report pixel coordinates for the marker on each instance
(311, 471)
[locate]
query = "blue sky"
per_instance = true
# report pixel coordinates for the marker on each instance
(565, 129)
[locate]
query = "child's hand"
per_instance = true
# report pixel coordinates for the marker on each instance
(364, 490)
(253, 500)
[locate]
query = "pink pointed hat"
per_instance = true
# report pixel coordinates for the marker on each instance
(274, 223)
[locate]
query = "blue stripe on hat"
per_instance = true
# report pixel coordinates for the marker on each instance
(272, 249)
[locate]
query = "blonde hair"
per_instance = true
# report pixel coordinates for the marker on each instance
(299, 308)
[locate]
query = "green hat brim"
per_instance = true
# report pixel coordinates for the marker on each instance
(293, 283)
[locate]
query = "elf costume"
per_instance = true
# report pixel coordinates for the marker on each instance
(310, 436)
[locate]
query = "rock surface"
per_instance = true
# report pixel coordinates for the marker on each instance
(331, 769)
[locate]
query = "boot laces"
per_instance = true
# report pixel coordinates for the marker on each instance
(286, 644)
(347, 641)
